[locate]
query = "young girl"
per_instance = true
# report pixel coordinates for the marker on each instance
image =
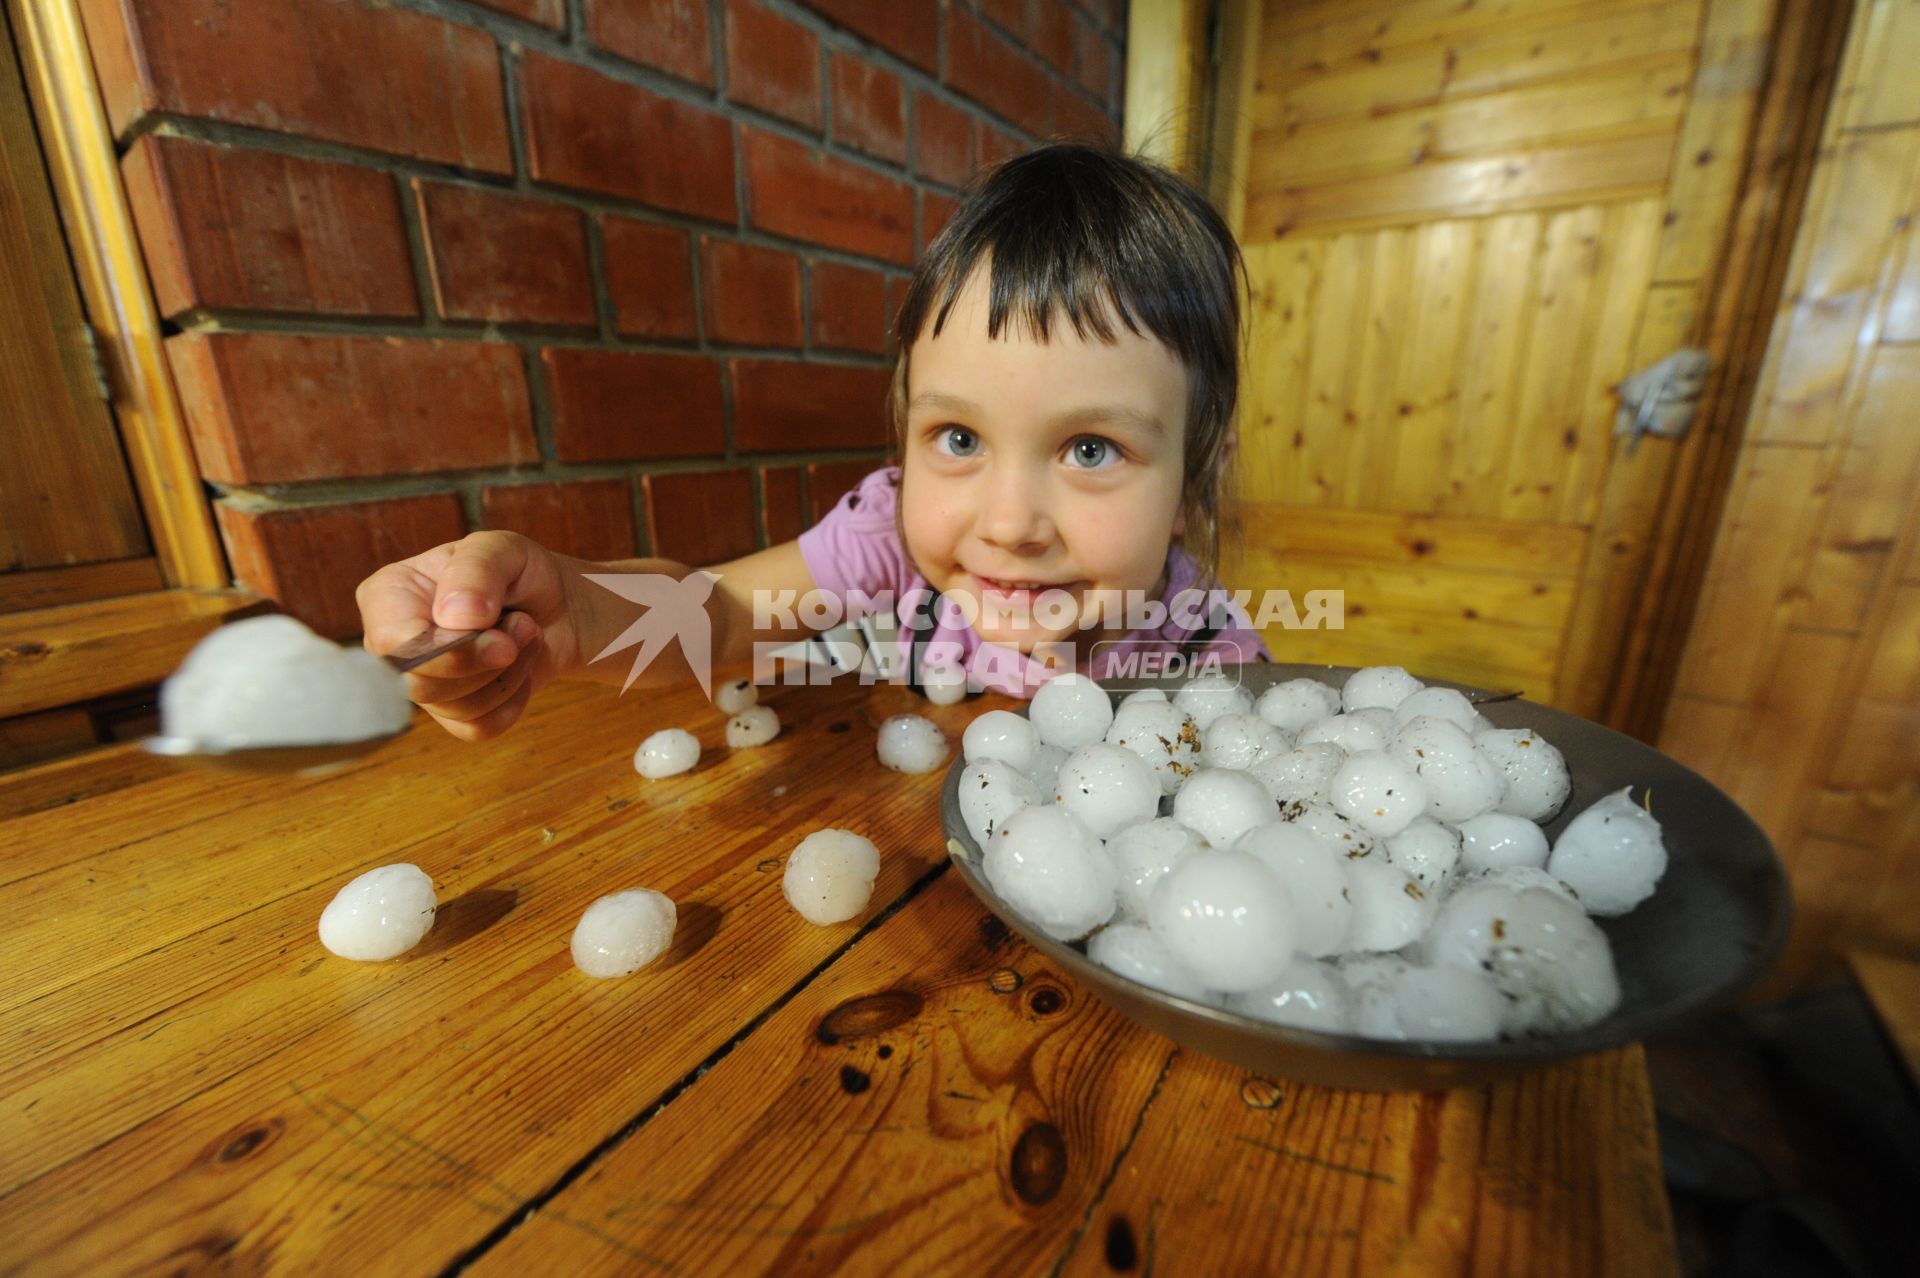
(1069, 364)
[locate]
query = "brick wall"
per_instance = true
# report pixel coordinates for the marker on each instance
(617, 274)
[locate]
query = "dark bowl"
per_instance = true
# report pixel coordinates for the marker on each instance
(1717, 920)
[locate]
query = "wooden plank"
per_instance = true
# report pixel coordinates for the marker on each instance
(1901, 323)
(1701, 734)
(462, 1079)
(1230, 160)
(1321, 37)
(1508, 255)
(1313, 478)
(56, 656)
(1284, 280)
(1418, 451)
(1367, 425)
(34, 738)
(1439, 541)
(51, 587)
(1883, 89)
(1892, 987)
(1769, 765)
(1167, 84)
(1499, 598)
(1872, 487)
(1548, 177)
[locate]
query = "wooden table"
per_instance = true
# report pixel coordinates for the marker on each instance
(188, 1081)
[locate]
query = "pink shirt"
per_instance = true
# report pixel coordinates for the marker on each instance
(857, 548)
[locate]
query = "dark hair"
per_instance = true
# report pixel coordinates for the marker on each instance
(1094, 235)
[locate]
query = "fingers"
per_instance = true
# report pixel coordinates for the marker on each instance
(473, 583)
(455, 674)
(491, 706)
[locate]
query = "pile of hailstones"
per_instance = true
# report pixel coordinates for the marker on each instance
(1367, 860)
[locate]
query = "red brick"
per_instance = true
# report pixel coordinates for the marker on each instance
(779, 405)
(796, 191)
(985, 68)
(1076, 118)
(994, 146)
(772, 64)
(828, 482)
(547, 13)
(495, 256)
(910, 30)
(649, 275)
(942, 141)
(753, 293)
(308, 559)
(385, 78)
(780, 503)
(935, 211)
(1091, 55)
(672, 35)
(255, 230)
(630, 405)
(701, 518)
(869, 109)
(1010, 14)
(849, 308)
(588, 131)
(1050, 32)
(277, 408)
(589, 519)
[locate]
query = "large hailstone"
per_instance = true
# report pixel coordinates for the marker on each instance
(754, 726)
(1536, 772)
(270, 681)
(1446, 1005)
(1378, 792)
(380, 915)
(1132, 950)
(1494, 840)
(1303, 774)
(666, 753)
(1071, 711)
(1518, 877)
(1439, 703)
(910, 743)
(1308, 995)
(1546, 956)
(1053, 871)
(1221, 805)
(1044, 771)
(735, 695)
(1382, 686)
(1327, 823)
(1000, 734)
(624, 932)
(1461, 782)
(829, 877)
(1390, 910)
(1162, 734)
(990, 791)
(944, 684)
(1315, 876)
(1142, 854)
(1211, 695)
(1240, 741)
(1611, 855)
(1292, 705)
(1226, 918)
(1108, 787)
(1372, 992)
(1353, 733)
(1426, 851)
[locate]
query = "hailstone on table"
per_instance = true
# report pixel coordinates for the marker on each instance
(1378, 792)
(1071, 711)
(1308, 995)
(1461, 782)
(1048, 866)
(829, 877)
(1315, 876)
(1044, 771)
(1303, 774)
(1327, 823)
(1546, 956)
(1142, 854)
(624, 932)
(1226, 918)
(1427, 852)
(1000, 734)
(735, 695)
(1373, 1004)
(666, 753)
(1211, 695)
(944, 684)
(1221, 804)
(1382, 686)
(1390, 910)
(270, 681)
(1292, 705)
(1440, 703)
(910, 743)
(754, 726)
(1133, 951)
(1494, 840)
(1535, 770)
(1240, 740)
(1107, 787)
(1517, 877)
(1350, 732)
(1445, 1005)
(1611, 855)
(380, 915)
(990, 791)
(1162, 734)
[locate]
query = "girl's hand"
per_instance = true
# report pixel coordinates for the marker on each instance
(478, 690)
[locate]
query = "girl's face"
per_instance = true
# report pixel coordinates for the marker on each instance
(1031, 467)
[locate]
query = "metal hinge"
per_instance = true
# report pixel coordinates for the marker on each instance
(97, 362)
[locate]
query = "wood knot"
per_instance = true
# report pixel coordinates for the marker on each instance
(1039, 1164)
(854, 1081)
(1046, 1000)
(1122, 1252)
(249, 1141)
(1261, 1093)
(868, 1015)
(1005, 981)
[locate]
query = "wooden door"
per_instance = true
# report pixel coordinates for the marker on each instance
(1464, 225)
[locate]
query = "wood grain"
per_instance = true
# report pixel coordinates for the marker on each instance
(57, 656)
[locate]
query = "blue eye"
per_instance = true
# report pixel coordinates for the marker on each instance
(1090, 452)
(957, 441)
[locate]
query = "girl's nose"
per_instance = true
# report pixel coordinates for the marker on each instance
(1014, 515)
